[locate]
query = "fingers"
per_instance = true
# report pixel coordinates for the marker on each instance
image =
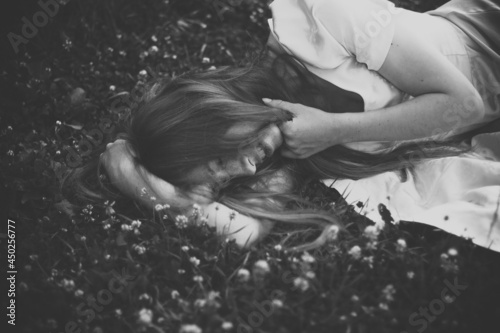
(276, 103)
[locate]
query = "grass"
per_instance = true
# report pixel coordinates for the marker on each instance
(93, 269)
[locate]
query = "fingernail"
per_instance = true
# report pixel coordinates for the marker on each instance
(266, 100)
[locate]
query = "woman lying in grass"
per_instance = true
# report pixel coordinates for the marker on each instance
(425, 81)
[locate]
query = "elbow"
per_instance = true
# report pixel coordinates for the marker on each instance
(471, 107)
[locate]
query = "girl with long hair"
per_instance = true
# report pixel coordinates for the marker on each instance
(376, 97)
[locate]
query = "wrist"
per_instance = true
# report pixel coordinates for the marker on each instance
(346, 127)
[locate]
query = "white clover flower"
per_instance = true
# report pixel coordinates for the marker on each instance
(401, 245)
(383, 306)
(332, 233)
(145, 316)
(301, 283)
(205, 60)
(190, 328)
(181, 221)
(452, 252)
(261, 267)
(153, 49)
(166, 206)
(278, 247)
(306, 257)
(144, 297)
(310, 275)
(388, 292)
(198, 278)
(126, 227)
(371, 232)
(158, 207)
(152, 198)
(195, 261)
(112, 88)
(204, 220)
(174, 294)
(369, 261)
(354, 298)
(118, 312)
(185, 248)
(227, 325)
(67, 284)
(136, 224)
(410, 275)
(200, 303)
(139, 248)
(243, 275)
(78, 292)
(355, 252)
(277, 303)
(181, 271)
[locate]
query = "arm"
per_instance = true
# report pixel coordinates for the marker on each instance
(444, 100)
(131, 178)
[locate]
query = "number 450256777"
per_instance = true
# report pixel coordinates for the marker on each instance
(11, 247)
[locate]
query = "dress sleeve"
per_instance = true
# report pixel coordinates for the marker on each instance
(325, 33)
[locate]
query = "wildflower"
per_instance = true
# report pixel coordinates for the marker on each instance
(152, 198)
(306, 257)
(444, 257)
(203, 220)
(388, 292)
(369, 260)
(371, 245)
(174, 294)
(139, 248)
(243, 275)
(185, 248)
(383, 306)
(277, 303)
(371, 232)
(181, 271)
(136, 224)
(158, 207)
(354, 298)
(332, 233)
(277, 247)
(78, 292)
(118, 312)
(145, 297)
(58, 123)
(154, 38)
(126, 227)
(200, 303)
(310, 275)
(452, 252)
(205, 60)
(166, 206)
(107, 256)
(227, 325)
(355, 252)
(261, 268)
(212, 299)
(401, 245)
(106, 226)
(181, 221)
(153, 49)
(195, 261)
(410, 275)
(112, 88)
(301, 283)
(198, 278)
(145, 316)
(143, 74)
(190, 328)
(10, 152)
(83, 238)
(69, 285)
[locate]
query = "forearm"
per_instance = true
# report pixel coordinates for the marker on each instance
(423, 116)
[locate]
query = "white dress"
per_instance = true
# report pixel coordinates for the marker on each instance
(345, 42)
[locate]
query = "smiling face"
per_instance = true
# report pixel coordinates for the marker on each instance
(245, 162)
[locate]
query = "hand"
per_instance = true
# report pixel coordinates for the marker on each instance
(131, 178)
(309, 132)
